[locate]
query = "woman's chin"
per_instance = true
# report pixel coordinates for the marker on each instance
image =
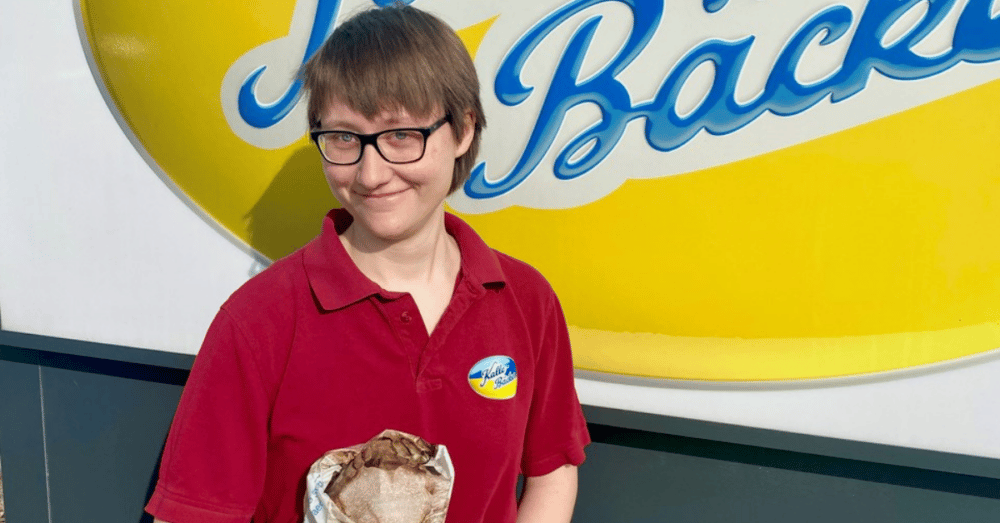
(388, 229)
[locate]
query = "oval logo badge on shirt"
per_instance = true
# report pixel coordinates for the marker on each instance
(494, 377)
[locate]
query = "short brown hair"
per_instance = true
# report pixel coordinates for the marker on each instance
(398, 57)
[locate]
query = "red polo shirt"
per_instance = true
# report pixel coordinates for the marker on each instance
(311, 355)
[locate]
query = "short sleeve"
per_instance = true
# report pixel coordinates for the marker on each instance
(557, 431)
(214, 460)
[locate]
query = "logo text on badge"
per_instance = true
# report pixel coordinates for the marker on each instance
(494, 377)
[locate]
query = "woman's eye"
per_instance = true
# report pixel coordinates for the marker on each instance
(341, 140)
(403, 136)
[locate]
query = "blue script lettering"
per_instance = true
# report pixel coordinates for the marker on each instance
(498, 372)
(976, 40)
(263, 116)
(566, 91)
(500, 381)
(714, 6)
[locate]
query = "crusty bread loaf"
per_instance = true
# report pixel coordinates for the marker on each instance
(388, 480)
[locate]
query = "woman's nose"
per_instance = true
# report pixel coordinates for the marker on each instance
(373, 170)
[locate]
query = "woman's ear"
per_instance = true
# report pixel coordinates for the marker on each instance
(469, 130)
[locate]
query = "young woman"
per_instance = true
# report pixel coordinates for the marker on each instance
(397, 316)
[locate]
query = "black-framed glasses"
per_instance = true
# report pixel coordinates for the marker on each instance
(405, 145)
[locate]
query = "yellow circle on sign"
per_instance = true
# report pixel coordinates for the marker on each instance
(869, 250)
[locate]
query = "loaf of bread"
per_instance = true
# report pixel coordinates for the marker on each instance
(393, 478)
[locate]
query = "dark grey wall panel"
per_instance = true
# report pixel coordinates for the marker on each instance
(106, 423)
(800, 443)
(105, 351)
(21, 447)
(107, 410)
(650, 477)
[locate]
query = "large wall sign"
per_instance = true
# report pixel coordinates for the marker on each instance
(718, 190)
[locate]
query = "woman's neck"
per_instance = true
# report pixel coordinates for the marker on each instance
(429, 257)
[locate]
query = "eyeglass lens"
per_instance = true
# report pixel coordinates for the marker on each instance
(395, 145)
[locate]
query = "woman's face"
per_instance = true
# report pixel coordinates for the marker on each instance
(393, 202)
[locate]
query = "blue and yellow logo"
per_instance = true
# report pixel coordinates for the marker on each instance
(494, 378)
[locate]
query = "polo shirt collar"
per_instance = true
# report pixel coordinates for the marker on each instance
(337, 282)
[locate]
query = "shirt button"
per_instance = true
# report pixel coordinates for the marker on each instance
(405, 317)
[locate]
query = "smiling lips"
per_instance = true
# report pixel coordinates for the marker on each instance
(380, 195)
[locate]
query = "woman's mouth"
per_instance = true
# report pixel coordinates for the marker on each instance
(381, 194)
